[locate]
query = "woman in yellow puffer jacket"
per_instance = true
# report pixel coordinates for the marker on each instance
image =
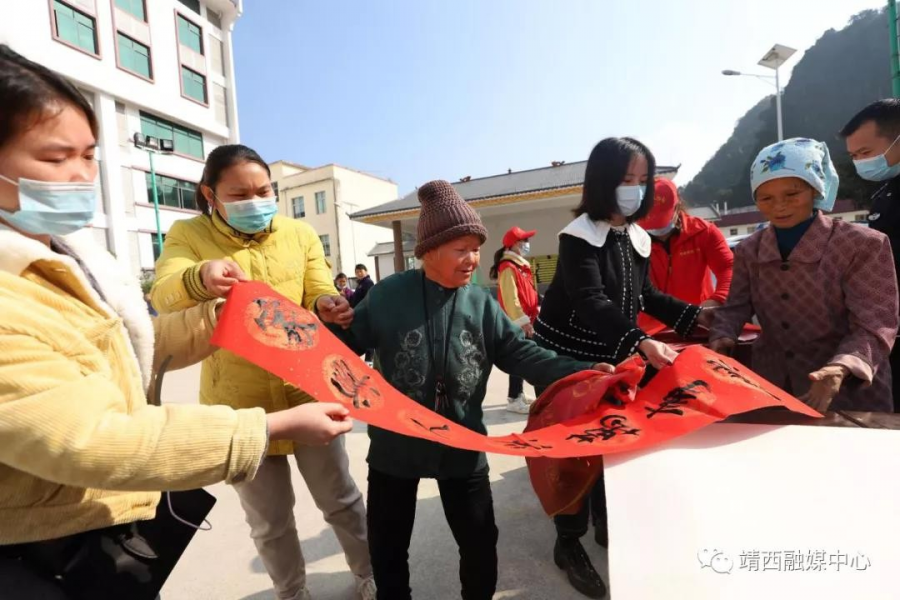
(239, 236)
(80, 448)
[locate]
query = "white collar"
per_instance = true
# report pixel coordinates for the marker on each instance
(596, 232)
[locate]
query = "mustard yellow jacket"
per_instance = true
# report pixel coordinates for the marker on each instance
(80, 449)
(288, 256)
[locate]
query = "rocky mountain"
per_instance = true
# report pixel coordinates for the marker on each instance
(842, 72)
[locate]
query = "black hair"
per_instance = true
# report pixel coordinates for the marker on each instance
(340, 276)
(30, 93)
(605, 171)
(220, 159)
(495, 268)
(361, 267)
(886, 115)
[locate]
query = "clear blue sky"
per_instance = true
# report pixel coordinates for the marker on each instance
(416, 90)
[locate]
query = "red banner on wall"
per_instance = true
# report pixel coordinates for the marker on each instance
(584, 415)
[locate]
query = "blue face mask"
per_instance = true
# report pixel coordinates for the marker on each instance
(52, 208)
(250, 216)
(877, 168)
(630, 198)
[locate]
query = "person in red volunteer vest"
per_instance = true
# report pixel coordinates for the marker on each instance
(687, 252)
(518, 297)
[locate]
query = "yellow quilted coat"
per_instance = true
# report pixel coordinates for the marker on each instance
(79, 447)
(288, 256)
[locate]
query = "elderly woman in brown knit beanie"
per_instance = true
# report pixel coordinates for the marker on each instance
(437, 346)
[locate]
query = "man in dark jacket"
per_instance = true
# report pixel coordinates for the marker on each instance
(364, 283)
(872, 141)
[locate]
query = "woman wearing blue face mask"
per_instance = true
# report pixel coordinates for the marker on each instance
(83, 454)
(590, 310)
(239, 236)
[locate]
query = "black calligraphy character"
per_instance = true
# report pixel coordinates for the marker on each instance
(443, 427)
(296, 332)
(526, 444)
(583, 438)
(674, 401)
(610, 427)
(263, 312)
(719, 366)
(346, 383)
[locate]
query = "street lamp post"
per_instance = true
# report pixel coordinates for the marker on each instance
(778, 116)
(159, 240)
(773, 59)
(153, 146)
(895, 47)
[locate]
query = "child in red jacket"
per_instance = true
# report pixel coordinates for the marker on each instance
(518, 297)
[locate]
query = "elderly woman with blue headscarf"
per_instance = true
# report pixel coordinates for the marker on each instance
(824, 291)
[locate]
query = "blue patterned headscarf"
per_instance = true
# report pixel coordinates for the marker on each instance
(803, 158)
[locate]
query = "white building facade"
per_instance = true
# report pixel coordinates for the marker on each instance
(325, 197)
(160, 68)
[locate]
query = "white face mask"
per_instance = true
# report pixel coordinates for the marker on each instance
(525, 248)
(630, 198)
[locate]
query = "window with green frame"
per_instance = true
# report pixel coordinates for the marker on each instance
(194, 5)
(190, 35)
(193, 84)
(187, 141)
(134, 8)
(172, 192)
(134, 56)
(75, 27)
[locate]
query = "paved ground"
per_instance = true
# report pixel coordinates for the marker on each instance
(222, 564)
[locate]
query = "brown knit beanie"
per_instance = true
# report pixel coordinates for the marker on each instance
(445, 216)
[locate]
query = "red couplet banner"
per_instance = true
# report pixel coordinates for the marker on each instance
(584, 415)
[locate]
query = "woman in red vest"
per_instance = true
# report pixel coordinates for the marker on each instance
(518, 297)
(687, 251)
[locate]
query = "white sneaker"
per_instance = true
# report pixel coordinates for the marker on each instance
(518, 405)
(365, 587)
(528, 399)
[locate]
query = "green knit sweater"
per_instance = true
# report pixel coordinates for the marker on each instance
(392, 320)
